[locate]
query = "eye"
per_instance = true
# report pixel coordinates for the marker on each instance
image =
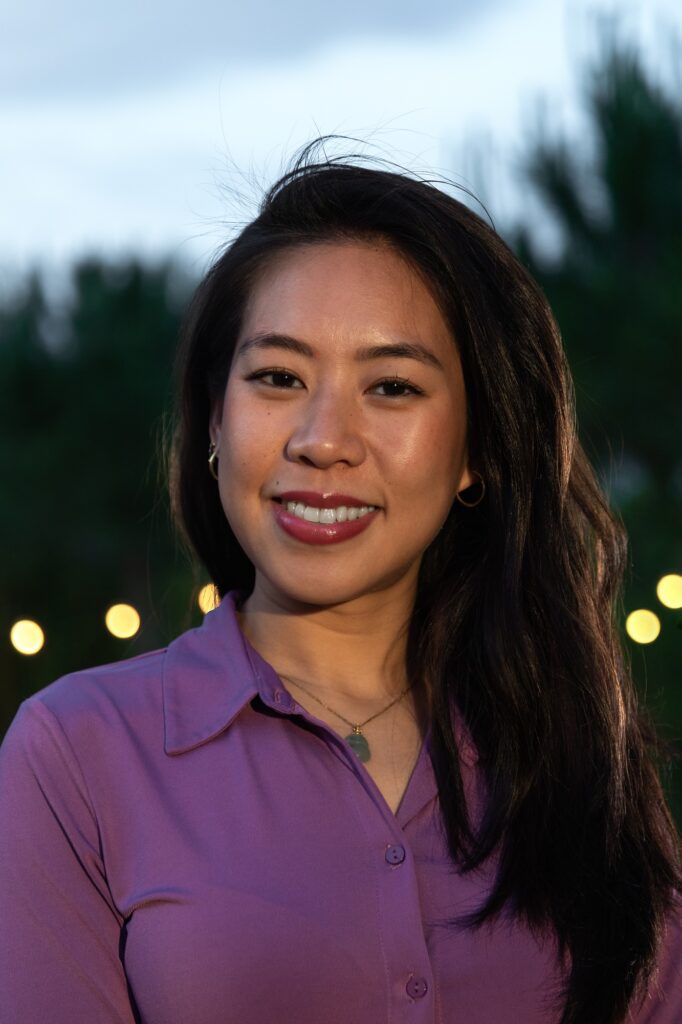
(401, 383)
(274, 372)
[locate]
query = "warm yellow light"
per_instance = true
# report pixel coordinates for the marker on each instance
(122, 621)
(669, 590)
(208, 598)
(643, 626)
(26, 636)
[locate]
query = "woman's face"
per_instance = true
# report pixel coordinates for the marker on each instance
(329, 421)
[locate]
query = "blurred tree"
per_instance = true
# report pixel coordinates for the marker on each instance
(615, 289)
(84, 391)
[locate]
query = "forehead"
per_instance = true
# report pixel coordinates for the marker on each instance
(349, 289)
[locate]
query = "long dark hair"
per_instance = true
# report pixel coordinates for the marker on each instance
(515, 613)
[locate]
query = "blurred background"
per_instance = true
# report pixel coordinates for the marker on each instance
(135, 140)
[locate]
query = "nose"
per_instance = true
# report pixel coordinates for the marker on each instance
(326, 432)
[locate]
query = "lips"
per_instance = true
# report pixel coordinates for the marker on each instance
(327, 500)
(319, 533)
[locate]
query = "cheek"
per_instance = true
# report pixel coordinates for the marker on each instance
(428, 457)
(249, 457)
(244, 433)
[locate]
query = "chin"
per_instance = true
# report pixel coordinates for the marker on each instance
(315, 594)
(323, 591)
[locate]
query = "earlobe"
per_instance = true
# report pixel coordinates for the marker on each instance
(469, 479)
(214, 428)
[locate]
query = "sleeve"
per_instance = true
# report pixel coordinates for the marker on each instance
(60, 934)
(663, 1001)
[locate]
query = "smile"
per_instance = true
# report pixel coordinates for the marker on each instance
(342, 514)
(315, 526)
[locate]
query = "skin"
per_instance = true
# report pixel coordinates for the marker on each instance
(335, 616)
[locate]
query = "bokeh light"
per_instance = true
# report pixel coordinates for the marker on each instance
(669, 590)
(642, 626)
(26, 636)
(208, 598)
(122, 621)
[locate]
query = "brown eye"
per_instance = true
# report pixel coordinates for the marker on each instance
(401, 385)
(277, 377)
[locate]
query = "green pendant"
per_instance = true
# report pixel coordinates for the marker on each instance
(357, 742)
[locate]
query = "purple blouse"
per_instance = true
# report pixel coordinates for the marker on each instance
(182, 843)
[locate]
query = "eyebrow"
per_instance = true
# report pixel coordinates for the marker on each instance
(396, 350)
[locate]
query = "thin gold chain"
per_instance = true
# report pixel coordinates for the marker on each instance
(355, 725)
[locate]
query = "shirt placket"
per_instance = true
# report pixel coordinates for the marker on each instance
(409, 972)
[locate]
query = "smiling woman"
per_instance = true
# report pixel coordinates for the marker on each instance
(400, 773)
(334, 420)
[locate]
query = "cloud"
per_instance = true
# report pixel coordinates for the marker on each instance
(160, 168)
(54, 51)
(162, 165)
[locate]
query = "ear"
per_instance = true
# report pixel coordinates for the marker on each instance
(467, 479)
(214, 424)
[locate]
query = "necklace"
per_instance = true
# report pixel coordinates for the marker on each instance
(357, 741)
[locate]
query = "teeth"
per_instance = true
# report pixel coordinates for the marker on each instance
(327, 515)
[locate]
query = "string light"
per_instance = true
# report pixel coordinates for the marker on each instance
(669, 590)
(122, 621)
(26, 636)
(642, 626)
(208, 598)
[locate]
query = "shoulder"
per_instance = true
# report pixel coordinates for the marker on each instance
(662, 1003)
(162, 698)
(94, 706)
(107, 691)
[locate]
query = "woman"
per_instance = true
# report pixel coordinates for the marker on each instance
(399, 774)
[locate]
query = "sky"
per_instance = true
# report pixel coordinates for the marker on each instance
(153, 128)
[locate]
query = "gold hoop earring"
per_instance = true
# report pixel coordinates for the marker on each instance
(212, 458)
(473, 504)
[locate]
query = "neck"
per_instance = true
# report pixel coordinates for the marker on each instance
(355, 650)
